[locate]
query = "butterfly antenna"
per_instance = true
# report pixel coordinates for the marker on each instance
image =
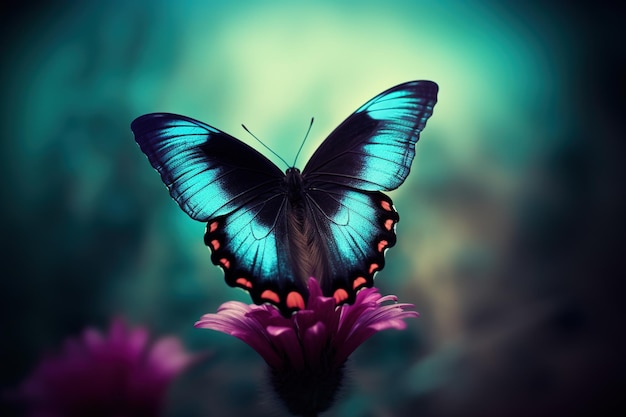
(264, 145)
(304, 140)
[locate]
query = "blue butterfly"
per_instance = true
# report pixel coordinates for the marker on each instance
(268, 230)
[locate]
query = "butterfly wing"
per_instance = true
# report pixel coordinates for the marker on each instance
(371, 151)
(208, 172)
(355, 228)
(218, 179)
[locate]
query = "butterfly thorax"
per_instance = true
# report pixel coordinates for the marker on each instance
(305, 244)
(294, 183)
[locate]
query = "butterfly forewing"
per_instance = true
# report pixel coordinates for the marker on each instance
(208, 172)
(372, 150)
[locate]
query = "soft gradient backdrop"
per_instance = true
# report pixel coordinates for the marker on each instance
(508, 220)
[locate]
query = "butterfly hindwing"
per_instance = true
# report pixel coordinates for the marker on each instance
(254, 254)
(358, 227)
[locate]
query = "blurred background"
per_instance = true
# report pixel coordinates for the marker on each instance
(510, 231)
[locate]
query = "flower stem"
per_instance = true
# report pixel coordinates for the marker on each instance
(307, 392)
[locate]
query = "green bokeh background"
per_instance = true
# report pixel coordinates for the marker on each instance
(508, 219)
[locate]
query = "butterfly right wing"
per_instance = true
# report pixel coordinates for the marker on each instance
(216, 178)
(370, 152)
(357, 227)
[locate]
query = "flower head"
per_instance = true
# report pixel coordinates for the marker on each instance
(116, 374)
(306, 352)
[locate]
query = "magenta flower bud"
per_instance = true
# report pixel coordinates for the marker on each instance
(116, 374)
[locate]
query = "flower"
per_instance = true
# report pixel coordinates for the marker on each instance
(118, 374)
(307, 352)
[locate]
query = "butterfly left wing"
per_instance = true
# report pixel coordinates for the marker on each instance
(371, 151)
(218, 179)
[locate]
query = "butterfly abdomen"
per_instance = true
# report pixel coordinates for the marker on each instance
(306, 250)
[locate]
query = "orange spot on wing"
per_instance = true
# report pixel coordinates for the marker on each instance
(382, 245)
(270, 295)
(295, 300)
(225, 263)
(388, 224)
(358, 281)
(244, 282)
(340, 295)
(215, 244)
(212, 227)
(385, 205)
(373, 267)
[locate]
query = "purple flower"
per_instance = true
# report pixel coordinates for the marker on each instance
(118, 374)
(307, 352)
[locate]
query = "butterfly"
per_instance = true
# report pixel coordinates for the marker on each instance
(268, 230)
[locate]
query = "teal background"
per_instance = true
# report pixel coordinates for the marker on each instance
(510, 220)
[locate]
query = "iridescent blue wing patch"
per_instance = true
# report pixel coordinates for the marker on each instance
(373, 149)
(208, 172)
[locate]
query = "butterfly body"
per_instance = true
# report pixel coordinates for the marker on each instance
(294, 184)
(268, 230)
